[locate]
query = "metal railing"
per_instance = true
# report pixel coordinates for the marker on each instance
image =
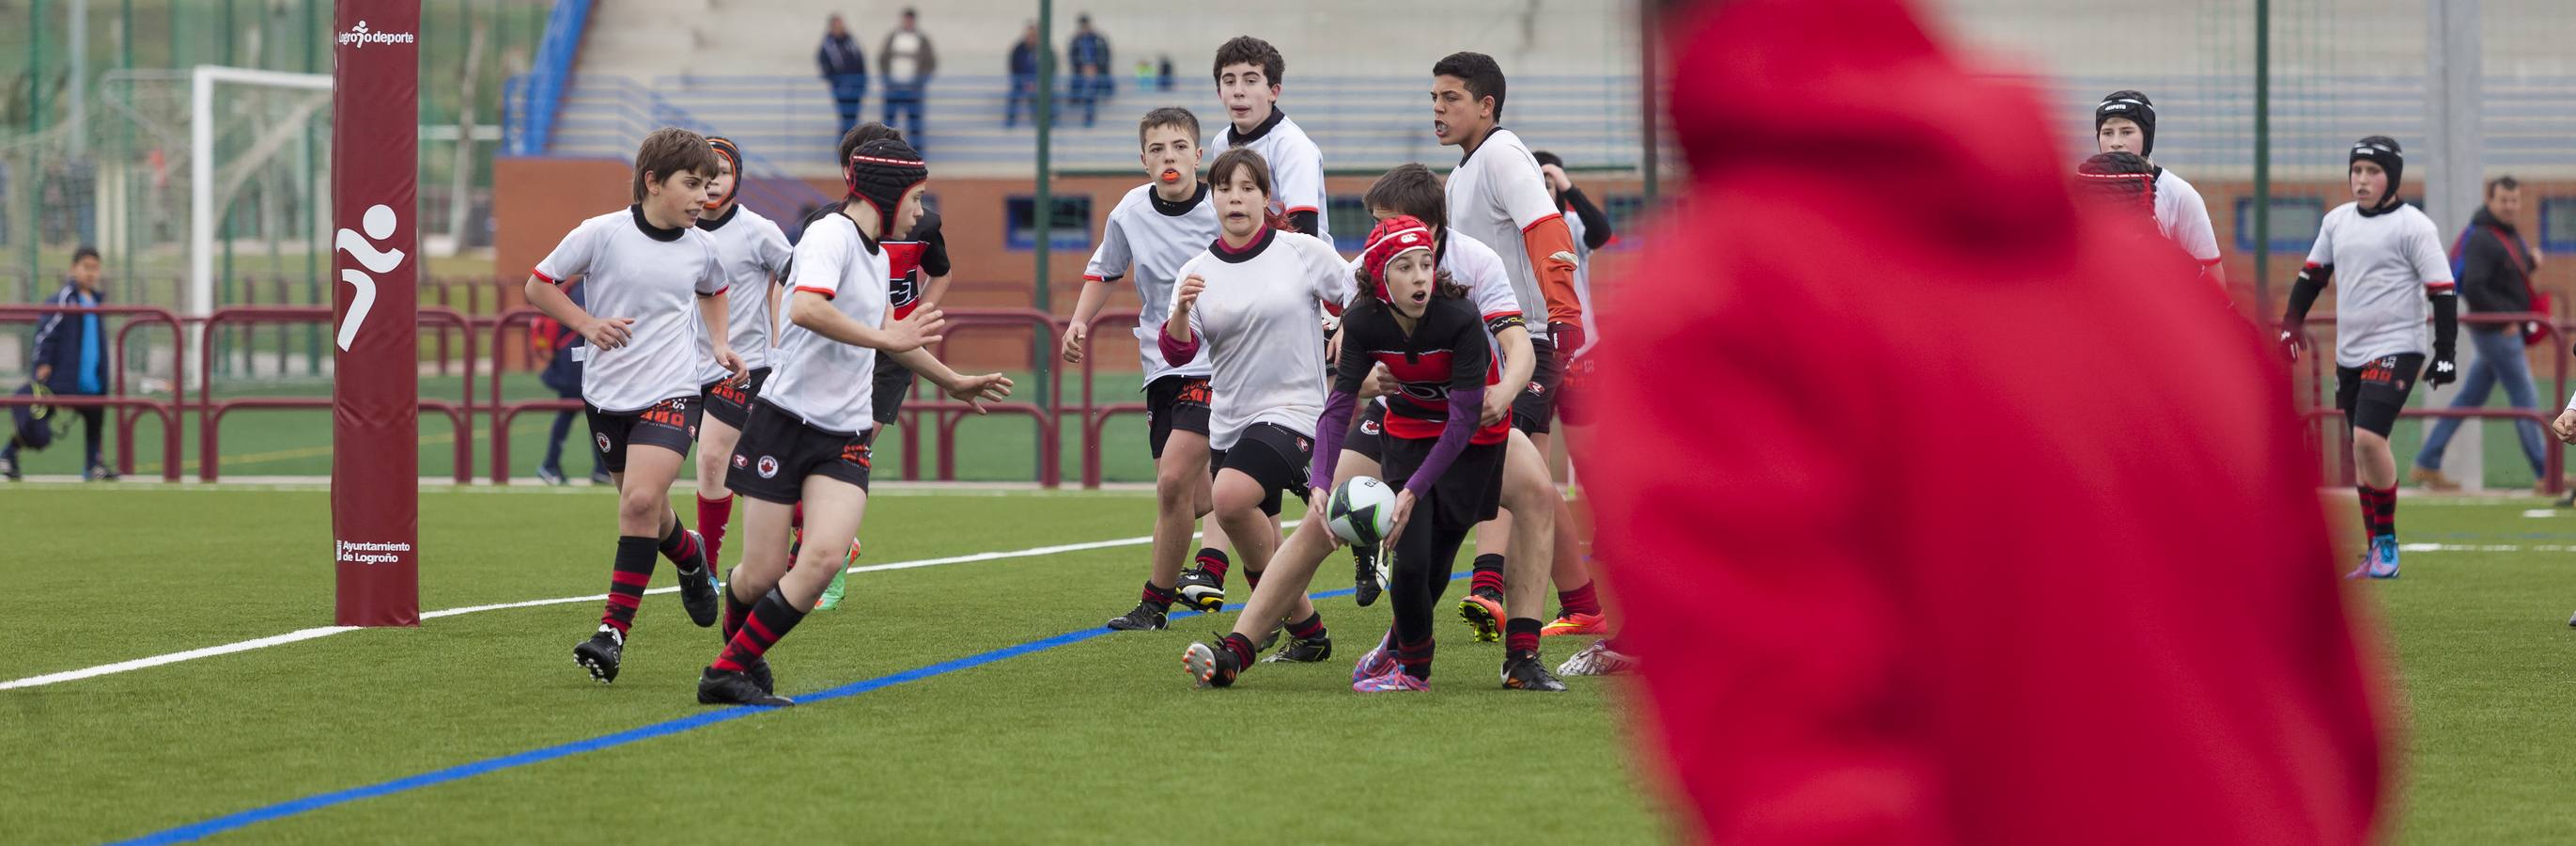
(2319, 410)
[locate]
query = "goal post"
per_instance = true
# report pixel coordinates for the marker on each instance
(375, 265)
(208, 178)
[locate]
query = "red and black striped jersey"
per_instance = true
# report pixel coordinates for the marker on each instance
(1447, 351)
(910, 261)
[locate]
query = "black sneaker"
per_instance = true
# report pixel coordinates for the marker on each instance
(1144, 617)
(1200, 590)
(1212, 665)
(1524, 671)
(601, 653)
(99, 473)
(725, 687)
(1365, 582)
(698, 591)
(759, 673)
(1302, 651)
(9, 468)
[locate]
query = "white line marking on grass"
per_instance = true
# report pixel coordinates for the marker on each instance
(2479, 547)
(324, 631)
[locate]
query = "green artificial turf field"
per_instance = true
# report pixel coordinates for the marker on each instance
(1070, 738)
(1100, 739)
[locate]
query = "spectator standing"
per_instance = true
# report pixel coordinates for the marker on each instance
(72, 359)
(2494, 265)
(563, 376)
(1024, 74)
(1163, 78)
(845, 68)
(908, 63)
(1092, 79)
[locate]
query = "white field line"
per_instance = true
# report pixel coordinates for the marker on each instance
(2485, 547)
(324, 631)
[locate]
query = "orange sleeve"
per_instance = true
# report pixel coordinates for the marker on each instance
(1551, 256)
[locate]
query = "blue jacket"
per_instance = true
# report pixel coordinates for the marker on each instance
(59, 338)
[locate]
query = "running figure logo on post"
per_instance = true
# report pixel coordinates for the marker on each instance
(379, 223)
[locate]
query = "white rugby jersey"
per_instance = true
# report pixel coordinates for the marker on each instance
(1155, 237)
(1258, 323)
(752, 251)
(827, 383)
(2384, 266)
(654, 276)
(1496, 194)
(2180, 216)
(1296, 165)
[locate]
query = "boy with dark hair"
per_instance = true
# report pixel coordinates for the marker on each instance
(72, 359)
(1248, 75)
(807, 440)
(753, 255)
(2389, 256)
(642, 267)
(1156, 228)
(1499, 196)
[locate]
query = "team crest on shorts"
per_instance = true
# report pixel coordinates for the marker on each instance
(1368, 427)
(602, 440)
(693, 433)
(1304, 444)
(740, 462)
(768, 467)
(1536, 389)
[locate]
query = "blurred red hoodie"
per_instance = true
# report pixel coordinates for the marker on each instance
(1937, 515)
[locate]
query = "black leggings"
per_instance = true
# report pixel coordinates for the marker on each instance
(1423, 558)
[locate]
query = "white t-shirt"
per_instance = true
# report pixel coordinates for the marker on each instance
(655, 277)
(2180, 215)
(1258, 322)
(1156, 238)
(828, 383)
(1496, 194)
(1296, 165)
(2385, 266)
(752, 252)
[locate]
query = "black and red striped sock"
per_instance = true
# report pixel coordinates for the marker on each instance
(1415, 657)
(735, 611)
(1520, 634)
(1308, 629)
(2378, 511)
(769, 621)
(1241, 647)
(1579, 600)
(1159, 596)
(1251, 582)
(632, 570)
(1488, 574)
(682, 548)
(2387, 512)
(1213, 560)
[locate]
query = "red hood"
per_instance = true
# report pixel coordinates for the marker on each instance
(1856, 94)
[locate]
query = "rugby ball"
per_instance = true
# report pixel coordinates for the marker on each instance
(1361, 511)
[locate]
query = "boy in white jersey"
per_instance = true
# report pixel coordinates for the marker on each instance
(2390, 258)
(754, 256)
(2125, 122)
(644, 268)
(1499, 196)
(1156, 228)
(1254, 300)
(807, 439)
(1248, 73)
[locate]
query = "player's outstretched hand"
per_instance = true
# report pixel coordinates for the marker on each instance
(1498, 404)
(2565, 426)
(977, 390)
(1074, 336)
(2441, 372)
(1188, 295)
(920, 330)
(2291, 345)
(1403, 513)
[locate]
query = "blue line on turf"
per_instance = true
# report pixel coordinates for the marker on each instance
(199, 830)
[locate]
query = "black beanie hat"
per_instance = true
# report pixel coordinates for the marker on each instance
(2381, 150)
(880, 172)
(2137, 109)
